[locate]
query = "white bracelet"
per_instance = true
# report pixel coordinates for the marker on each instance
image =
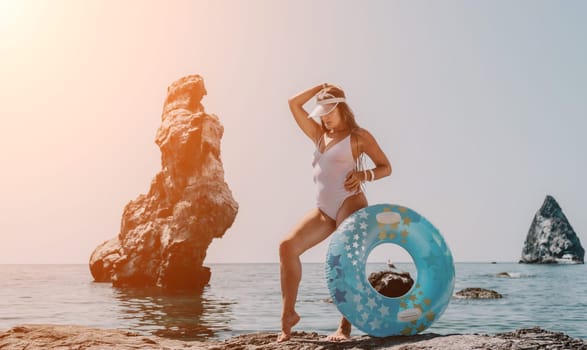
(372, 175)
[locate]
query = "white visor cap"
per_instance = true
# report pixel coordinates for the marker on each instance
(325, 103)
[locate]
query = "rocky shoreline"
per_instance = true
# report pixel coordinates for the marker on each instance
(53, 337)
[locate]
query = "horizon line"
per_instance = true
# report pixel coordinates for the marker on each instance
(276, 262)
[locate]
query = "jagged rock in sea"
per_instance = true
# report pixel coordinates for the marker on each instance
(478, 293)
(165, 233)
(551, 239)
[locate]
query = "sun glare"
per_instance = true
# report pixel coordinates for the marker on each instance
(20, 20)
(10, 13)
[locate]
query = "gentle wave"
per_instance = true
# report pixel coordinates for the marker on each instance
(511, 274)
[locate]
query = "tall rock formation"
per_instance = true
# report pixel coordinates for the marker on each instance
(165, 233)
(551, 238)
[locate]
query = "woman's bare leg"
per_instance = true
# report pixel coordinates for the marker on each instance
(350, 205)
(311, 230)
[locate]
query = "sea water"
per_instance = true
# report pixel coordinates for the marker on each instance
(246, 298)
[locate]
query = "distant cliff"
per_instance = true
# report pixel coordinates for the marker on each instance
(551, 239)
(165, 233)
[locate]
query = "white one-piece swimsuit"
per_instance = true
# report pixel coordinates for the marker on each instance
(330, 171)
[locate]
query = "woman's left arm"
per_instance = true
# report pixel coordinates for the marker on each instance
(368, 145)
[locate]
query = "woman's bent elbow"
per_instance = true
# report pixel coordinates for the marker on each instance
(388, 171)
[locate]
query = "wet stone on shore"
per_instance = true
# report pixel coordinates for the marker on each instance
(53, 337)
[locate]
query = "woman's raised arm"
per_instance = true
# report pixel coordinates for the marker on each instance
(308, 125)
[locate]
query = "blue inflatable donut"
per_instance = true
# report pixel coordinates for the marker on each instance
(374, 313)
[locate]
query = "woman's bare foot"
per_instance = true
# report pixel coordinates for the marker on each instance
(339, 335)
(343, 332)
(287, 323)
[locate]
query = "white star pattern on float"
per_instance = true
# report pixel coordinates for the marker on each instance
(375, 324)
(384, 310)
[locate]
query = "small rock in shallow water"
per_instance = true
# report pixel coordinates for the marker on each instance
(391, 283)
(478, 293)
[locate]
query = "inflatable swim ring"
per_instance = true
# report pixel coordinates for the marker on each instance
(351, 292)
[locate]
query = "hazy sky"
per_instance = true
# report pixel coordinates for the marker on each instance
(480, 105)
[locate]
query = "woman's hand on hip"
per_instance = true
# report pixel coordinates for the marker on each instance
(352, 182)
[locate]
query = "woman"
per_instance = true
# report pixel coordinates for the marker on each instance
(338, 174)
